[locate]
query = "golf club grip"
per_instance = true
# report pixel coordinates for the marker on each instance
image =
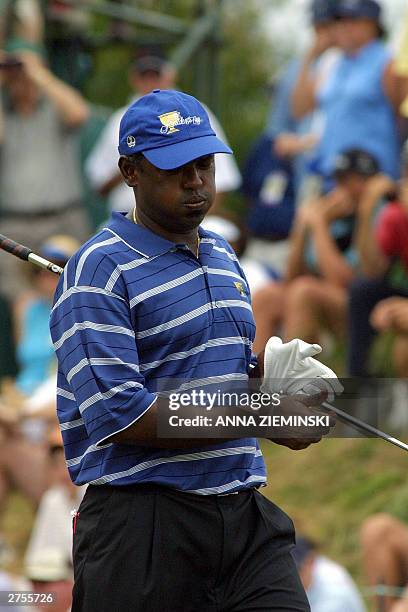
(14, 248)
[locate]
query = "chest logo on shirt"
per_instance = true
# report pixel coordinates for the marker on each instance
(240, 287)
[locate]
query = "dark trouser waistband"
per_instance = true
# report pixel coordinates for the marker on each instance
(159, 487)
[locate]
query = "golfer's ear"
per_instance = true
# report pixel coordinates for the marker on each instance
(129, 170)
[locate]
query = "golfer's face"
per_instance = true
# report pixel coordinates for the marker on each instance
(177, 199)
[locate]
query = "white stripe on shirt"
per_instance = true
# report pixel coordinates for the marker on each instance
(108, 394)
(90, 250)
(99, 361)
(145, 465)
(101, 327)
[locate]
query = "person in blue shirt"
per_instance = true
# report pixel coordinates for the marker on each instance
(153, 301)
(359, 98)
(296, 138)
(31, 313)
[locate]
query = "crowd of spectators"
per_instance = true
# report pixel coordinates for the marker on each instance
(323, 243)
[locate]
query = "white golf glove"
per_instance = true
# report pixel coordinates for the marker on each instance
(290, 368)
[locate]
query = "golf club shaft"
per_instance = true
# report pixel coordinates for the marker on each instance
(23, 252)
(362, 426)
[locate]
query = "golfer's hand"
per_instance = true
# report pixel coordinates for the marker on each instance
(298, 438)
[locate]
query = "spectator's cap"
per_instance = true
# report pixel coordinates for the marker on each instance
(358, 9)
(170, 128)
(48, 565)
(322, 11)
(302, 550)
(149, 63)
(59, 248)
(355, 161)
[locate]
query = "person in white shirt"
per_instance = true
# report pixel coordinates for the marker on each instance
(328, 585)
(146, 74)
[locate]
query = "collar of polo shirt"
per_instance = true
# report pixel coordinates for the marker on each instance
(151, 244)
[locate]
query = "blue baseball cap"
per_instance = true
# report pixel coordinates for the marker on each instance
(322, 11)
(356, 9)
(170, 128)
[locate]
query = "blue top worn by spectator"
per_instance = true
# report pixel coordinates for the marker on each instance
(132, 309)
(268, 184)
(35, 352)
(358, 113)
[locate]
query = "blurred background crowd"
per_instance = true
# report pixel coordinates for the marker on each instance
(315, 204)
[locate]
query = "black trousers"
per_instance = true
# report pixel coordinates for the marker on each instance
(152, 549)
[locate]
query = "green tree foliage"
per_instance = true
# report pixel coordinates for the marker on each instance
(247, 63)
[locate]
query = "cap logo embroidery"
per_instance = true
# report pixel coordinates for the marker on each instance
(173, 118)
(131, 141)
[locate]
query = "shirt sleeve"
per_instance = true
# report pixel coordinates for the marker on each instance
(98, 360)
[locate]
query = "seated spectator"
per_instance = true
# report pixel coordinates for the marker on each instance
(322, 260)
(257, 274)
(358, 99)
(328, 585)
(35, 352)
(384, 541)
(44, 114)
(268, 185)
(384, 265)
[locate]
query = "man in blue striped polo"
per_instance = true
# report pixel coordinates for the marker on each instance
(166, 525)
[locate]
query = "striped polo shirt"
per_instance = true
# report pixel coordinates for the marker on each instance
(131, 310)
